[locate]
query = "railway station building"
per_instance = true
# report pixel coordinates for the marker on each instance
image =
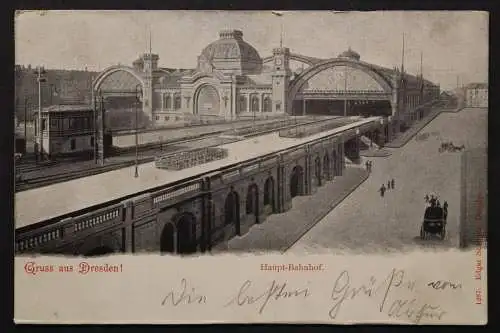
(232, 81)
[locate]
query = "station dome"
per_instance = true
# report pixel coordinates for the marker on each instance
(350, 54)
(230, 54)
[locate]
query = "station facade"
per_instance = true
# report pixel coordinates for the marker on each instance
(231, 81)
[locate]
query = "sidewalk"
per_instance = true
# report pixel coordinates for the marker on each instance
(374, 152)
(405, 137)
(280, 231)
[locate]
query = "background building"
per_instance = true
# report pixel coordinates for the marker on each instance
(61, 87)
(476, 95)
(67, 130)
(232, 81)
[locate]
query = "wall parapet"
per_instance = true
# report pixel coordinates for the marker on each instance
(67, 228)
(305, 130)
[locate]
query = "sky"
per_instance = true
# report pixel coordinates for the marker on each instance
(453, 44)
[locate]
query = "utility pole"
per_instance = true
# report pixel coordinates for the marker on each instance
(253, 118)
(138, 96)
(25, 124)
(38, 141)
(51, 92)
(345, 91)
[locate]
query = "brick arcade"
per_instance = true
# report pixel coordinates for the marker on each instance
(197, 213)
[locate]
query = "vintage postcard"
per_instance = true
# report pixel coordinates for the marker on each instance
(251, 167)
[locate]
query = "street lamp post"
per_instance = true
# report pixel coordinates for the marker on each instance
(253, 116)
(379, 141)
(389, 125)
(138, 96)
(358, 139)
(26, 99)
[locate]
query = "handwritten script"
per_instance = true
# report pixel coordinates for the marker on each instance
(344, 291)
(394, 295)
(276, 291)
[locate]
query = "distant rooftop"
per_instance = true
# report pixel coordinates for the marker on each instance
(67, 108)
(477, 86)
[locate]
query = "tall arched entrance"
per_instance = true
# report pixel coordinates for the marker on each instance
(326, 167)
(252, 202)
(99, 251)
(269, 193)
(186, 234)
(207, 101)
(167, 239)
(117, 86)
(297, 181)
(365, 89)
(317, 170)
(179, 235)
(232, 211)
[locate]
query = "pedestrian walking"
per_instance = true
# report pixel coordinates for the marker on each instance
(392, 183)
(426, 198)
(382, 190)
(445, 205)
(389, 185)
(370, 163)
(367, 165)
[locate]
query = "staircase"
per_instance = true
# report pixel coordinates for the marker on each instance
(369, 142)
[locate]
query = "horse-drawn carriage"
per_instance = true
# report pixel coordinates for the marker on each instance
(434, 222)
(449, 146)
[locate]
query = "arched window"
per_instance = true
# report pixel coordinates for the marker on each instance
(177, 101)
(243, 104)
(167, 101)
(266, 107)
(254, 103)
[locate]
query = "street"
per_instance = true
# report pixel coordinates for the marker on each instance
(366, 222)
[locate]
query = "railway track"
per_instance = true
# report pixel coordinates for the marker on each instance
(154, 149)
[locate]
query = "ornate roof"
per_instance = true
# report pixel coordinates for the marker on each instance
(230, 53)
(350, 54)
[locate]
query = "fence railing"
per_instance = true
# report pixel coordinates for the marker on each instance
(66, 228)
(260, 128)
(306, 130)
(190, 158)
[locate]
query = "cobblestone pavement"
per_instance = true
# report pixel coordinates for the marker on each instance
(280, 231)
(365, 222)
